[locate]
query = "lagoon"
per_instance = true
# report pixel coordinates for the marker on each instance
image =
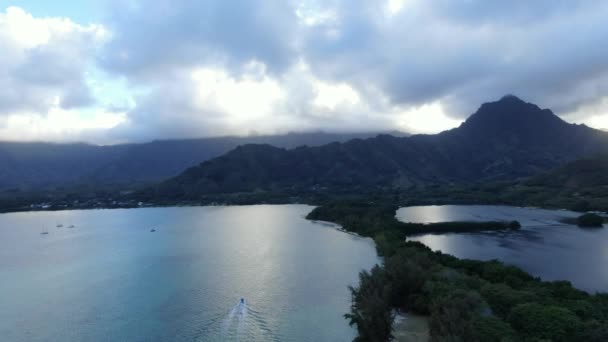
(545, 247)
(109, 278)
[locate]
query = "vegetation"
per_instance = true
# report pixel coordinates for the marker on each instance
(465, 300)
(48, 166)
(456, 166)
(580, 186)
(560, 188)
(369, 312)
(370, 219)
(590, 220)
(528, 140)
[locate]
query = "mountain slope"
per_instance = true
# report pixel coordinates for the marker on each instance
(36, 166)
(580, 185)
(506, 139)
(576, 175)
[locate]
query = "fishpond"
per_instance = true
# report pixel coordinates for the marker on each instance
(544, 247)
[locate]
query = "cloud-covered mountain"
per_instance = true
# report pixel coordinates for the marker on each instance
(503, 140)
(37, 166)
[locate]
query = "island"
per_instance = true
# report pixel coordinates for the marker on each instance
(590, 220)
(587, 220)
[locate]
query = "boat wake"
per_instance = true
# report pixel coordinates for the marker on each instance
(235, 322)
(241, 318)
(244, 323)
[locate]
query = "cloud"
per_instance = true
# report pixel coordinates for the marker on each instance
(152, 39)
(215, 67)
(58, 124)
(210, 101)
(464, 54)
(43, 62)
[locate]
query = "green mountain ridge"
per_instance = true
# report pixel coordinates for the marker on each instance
(504, 140)
(47, 166)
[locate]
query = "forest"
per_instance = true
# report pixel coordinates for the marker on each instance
(465, 300)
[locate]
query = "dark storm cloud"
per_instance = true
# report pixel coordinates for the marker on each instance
(151, 38)
(467, 53)
(457, 54)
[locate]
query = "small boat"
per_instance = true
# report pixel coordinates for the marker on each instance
(44, 233)
(71, 226)
(152, 230)
(59, 225)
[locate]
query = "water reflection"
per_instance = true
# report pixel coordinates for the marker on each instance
(110, 279)
(446, 213)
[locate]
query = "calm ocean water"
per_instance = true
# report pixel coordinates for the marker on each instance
(109, 278)
(544, 246)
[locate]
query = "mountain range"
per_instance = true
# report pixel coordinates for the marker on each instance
(507, 139)
(48, 166)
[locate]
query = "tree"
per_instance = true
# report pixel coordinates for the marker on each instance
(451, 315)
(370, 310)
(590, 220)
(490, 328)
(535, 321)
(502, 298)
(407, 273)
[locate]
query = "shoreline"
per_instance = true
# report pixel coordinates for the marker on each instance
(436, 279)
(335, 226)
(409, 327)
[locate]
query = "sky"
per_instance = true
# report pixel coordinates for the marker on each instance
(110, 71)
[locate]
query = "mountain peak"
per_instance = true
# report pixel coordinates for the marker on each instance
(510, 97)
(511, 114)
(509, 105)
(504, 140)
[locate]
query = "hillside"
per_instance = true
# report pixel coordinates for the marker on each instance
(43, 166)
(580, 185)
(576, 175)
(504, 140)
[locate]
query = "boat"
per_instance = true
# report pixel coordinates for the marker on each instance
(59, 225)
(44, 232)
(152, 230)
(71, 226)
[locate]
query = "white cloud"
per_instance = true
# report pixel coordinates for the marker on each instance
(250, 95)
(428, 118)
(43, 59)
(59, 125)
(46, 93)
(330, 96)
(394, 6)
(212, 102)
(594, 114)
